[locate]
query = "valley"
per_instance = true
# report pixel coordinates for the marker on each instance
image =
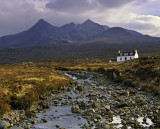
(91, 92)
(79, 64)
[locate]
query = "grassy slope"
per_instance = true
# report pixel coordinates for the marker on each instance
(143, 72)
(21, 84)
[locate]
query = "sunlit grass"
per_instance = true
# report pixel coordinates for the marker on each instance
(143, 72)
(33, 79)
(21, 84)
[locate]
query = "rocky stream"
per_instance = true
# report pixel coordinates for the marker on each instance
(92, 101)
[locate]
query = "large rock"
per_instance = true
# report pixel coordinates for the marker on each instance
(107, 108)
(99, 117)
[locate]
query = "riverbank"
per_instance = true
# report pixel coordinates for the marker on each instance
(24, 85)
(28, 86)
(134, 105)
(94, 101)
(143, 72)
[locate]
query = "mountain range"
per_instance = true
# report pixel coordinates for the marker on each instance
(44, 40)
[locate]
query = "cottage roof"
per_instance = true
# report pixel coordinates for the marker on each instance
(126, 53)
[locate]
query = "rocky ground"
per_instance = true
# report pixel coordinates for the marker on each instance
(96, 99)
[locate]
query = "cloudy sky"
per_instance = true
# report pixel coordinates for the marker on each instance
(139, 15)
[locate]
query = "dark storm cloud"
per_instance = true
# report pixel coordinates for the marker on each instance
(71, 5)
(19, 15)
(83, 5)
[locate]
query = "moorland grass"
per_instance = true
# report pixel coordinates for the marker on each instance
(21, 84)
(143, 72)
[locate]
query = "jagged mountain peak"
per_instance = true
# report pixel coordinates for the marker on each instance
(88, 22)
(42, 24)
(42, 32)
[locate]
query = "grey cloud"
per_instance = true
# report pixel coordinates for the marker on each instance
(114, 3)
(84, 5)
(148, 7)
(139, 26)
(71, 5)
(17, 16)
(146, 28)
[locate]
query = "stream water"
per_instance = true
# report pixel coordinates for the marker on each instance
(60, 114)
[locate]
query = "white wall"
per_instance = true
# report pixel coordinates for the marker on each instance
(123, 58)
(136, 55)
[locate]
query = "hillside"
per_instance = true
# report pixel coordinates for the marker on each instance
(43, 32)
(63, 50)
(44, 41)
(143, 73)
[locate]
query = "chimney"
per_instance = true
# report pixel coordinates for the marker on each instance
(135, 51)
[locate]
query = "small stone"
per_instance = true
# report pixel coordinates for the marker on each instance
(26, 127)
(95, 120)
(57, 126)
(17, 119)
(33, 122)
(75, 109)
(99, 117)
(44, 120)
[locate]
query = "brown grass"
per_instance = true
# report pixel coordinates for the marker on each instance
(21, 84)
(143, 72)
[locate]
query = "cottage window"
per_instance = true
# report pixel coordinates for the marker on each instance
(125, 54)
(130, 57)
(120, 58)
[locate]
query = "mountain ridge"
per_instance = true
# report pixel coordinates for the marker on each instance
(43, 32)
(44, 41)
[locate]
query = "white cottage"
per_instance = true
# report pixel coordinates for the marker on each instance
(122, 56)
